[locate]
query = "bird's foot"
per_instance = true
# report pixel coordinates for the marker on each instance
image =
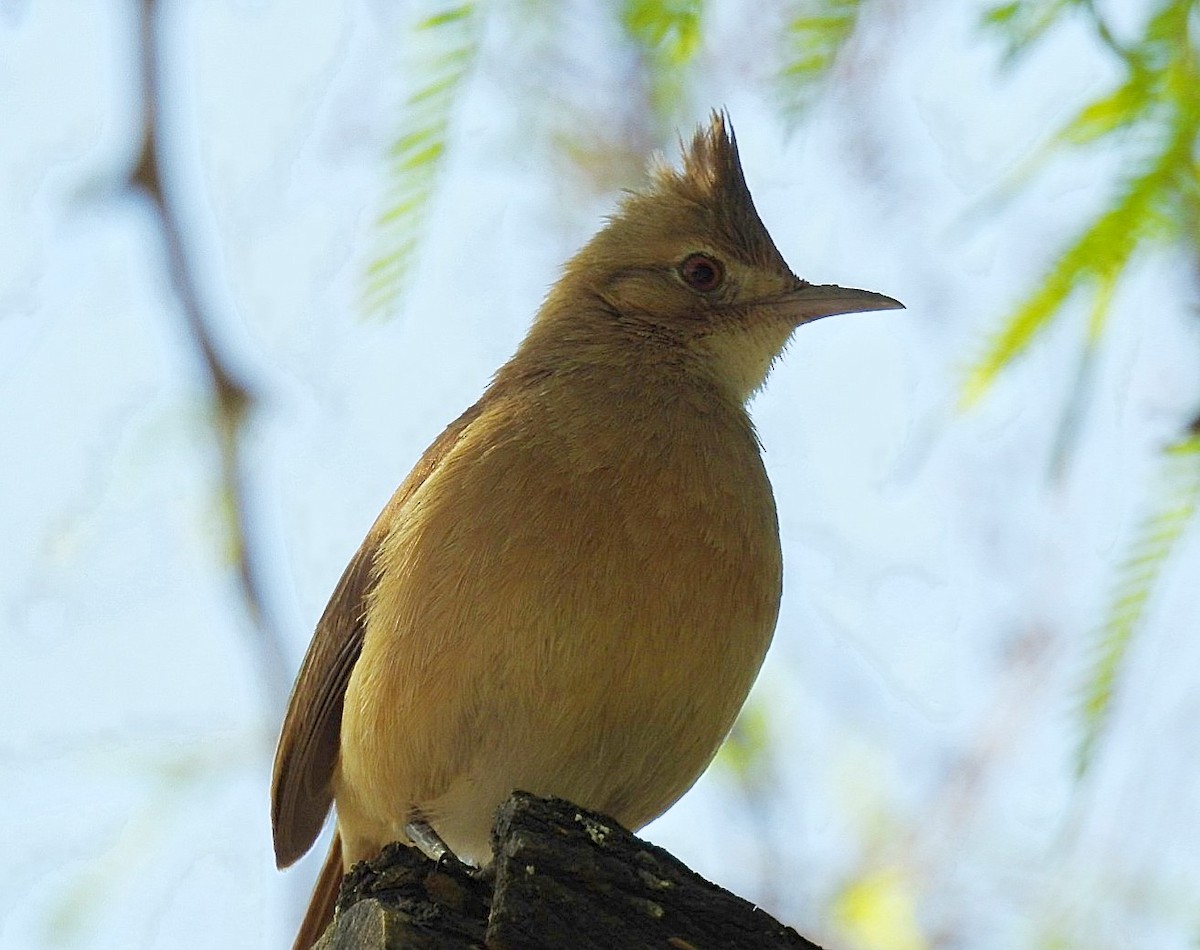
(426, 839)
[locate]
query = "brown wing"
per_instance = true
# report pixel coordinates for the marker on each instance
(301, 791)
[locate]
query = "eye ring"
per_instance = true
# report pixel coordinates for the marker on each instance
(702, 272)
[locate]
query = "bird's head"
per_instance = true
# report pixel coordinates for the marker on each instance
(689, 261)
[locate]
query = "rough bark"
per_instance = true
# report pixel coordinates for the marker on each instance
(563, 877)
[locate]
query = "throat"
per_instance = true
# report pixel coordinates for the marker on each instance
(741, 356)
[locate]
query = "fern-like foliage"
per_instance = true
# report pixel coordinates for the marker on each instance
(1021, 23)
(668, 35)
(445, 42)
(1153, 118)
(815, 34)
(1136, 579)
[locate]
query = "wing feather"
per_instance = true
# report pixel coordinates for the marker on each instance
(309, 742)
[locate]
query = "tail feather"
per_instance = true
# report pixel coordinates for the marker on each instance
(324, 897)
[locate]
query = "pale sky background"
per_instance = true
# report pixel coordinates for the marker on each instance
(921, 695)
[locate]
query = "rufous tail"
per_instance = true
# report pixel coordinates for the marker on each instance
(320, 905)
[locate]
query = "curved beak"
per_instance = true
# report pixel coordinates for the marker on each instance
(810, 302)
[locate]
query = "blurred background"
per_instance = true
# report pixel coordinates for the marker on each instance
(223, 345)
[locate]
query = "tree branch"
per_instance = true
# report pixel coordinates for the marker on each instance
(231, 401)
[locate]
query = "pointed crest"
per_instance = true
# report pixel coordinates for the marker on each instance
(711, 167)
(712, 177)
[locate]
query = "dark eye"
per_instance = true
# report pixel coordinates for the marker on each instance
(701, 272)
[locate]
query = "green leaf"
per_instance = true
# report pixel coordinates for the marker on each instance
(1002, 15)
(453, 15)
(669, 34)
(670, 28)
(1099, 118)
(1141, 214)
(1109, 239)
(816, 32)
(445, 42)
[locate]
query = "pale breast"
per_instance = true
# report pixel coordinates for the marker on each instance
(566, 612)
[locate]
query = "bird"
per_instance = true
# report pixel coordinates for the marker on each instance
(575, 587)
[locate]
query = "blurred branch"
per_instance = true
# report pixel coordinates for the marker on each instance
(231, 401)
(1102, 31)
(1022, 23)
